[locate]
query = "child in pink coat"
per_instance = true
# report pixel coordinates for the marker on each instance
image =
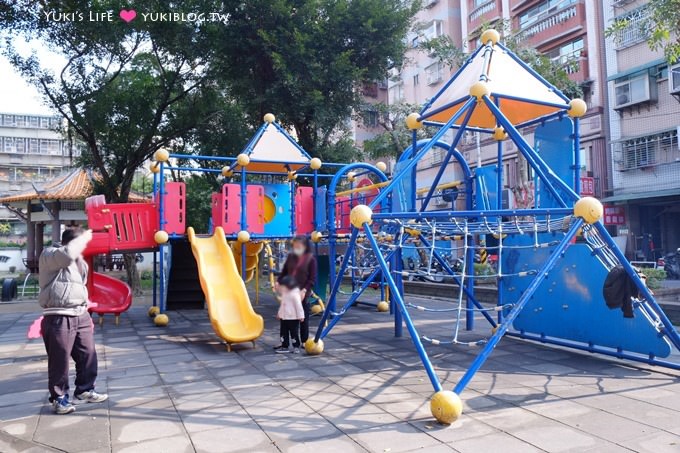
(290, 314)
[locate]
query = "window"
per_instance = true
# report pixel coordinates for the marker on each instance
(45, 123)
(396, 92)
(414, 42)
(20, 121)
(477, 3)
(34, 121)
(633, 89)
(541, 11)
(370, 118)
(434, 73)
(674, 78)
(567, 52)
(432, 30)
(8, 145)
(646, 151)
(416, 80)
(33, 147)
(8, 120)
(635, 28)
(52, 147)
(20, 145)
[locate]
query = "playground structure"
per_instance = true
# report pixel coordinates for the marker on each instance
(357, 216)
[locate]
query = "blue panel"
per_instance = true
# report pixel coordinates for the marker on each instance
(555, 145)
(402, 194)
(321, 215)
(486, 179)
(280, 195)
(569, 304)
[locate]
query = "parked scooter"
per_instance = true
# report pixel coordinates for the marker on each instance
(672, 265)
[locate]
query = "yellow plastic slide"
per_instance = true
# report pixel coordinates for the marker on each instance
(231, 314)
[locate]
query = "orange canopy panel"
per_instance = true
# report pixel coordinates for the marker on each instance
(505, 77)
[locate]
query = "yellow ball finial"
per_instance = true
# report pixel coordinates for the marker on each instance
(359, 215)
(350, 176)
(315, 163)
(589, 209)
(383, 306)
(161, 155)
(161, 237)
(382, 166)
(227, 172)
(316, 236)
(154, 167)
(446, 406)
(413, 121)
(161, 320)
(243, 236)
(313, 348)
(269, 118)
(490, 35)
(316, 309)
(577, 108)
(153, 311)
(499, 134)
(292, 176)
(479, 90)
(243, 160)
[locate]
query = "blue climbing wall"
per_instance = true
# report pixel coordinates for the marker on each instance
(555, 145)
(280, 224)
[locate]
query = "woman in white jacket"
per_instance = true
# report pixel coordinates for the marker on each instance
(291, 314)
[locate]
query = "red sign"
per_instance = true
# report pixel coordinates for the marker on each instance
(614, 215)
(587, 185)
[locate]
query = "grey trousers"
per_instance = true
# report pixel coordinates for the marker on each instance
(69, 337)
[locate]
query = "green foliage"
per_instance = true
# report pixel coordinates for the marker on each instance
(11, 245)
(199, 188)
(484, 269)
(303, 60)
(5, 228)
(396, 137)
(654, 277)
(146, 275)
(661, 26)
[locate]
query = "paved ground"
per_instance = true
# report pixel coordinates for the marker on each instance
(178, 390)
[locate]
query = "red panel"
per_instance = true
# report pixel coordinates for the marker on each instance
(342, 209)
(304, 210)
(174, 208)
(255, 209)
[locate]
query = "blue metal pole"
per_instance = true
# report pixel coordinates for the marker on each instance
(577, 157)
(519, 306)
(424, 150)
(472, 214)
(534, 160)
(293, 226)
(244, 220)
(669, 330)
(161, 216)
(155, 253)
(336, 284)
(402, 307)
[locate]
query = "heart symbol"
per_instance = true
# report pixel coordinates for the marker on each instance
(128, 15)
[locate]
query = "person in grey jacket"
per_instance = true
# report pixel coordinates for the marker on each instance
(67, 328)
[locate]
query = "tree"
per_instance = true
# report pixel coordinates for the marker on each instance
(305, 60)
(661, 26)
(126, 90)
(395, 137)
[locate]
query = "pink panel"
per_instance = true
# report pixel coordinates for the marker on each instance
(304, 210)
(255, 209)
(129, 226)
(231, 208)
(342, 208)
(174, 208)
(217, 207)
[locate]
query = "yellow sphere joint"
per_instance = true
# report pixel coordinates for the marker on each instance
(316, 309)
(359, 215)
(292, 176)
(577, 108)
(589, 209)
(243, 236)
(350, 176)
(413, 121)
(161, 155)
(313, 348)
(316, 236)
(446, 406)
(499, 134)
(382, 166)
(243, 160)
(161, 320)
(155, 167)
(227, 172)
(382, 306)
(315, 163)
(490, 35)
(269, 118)
(153, 311)
(161, 237)
(479, 90)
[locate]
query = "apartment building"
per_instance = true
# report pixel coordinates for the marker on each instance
(31, 152)
(643, 206)
(565, 30)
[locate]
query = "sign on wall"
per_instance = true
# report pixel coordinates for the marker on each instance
(587, 185)
(614, 215)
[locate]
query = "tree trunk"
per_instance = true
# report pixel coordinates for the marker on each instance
(132, 273)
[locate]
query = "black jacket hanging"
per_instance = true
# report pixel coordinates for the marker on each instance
(619, 290)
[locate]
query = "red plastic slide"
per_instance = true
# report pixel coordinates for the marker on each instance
(109, 295)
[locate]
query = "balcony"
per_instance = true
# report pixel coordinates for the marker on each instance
(485, 12)
(577, 69)
(560, 23)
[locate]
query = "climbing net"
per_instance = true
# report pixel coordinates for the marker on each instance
(446, 246)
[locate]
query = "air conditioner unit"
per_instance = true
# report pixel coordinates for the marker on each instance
(437, 156)
(674, 79)
(439, 200)
(634, 90)
(433, 77)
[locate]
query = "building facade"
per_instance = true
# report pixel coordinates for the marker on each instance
(569, 31)
(31, 152)
(643, 206)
